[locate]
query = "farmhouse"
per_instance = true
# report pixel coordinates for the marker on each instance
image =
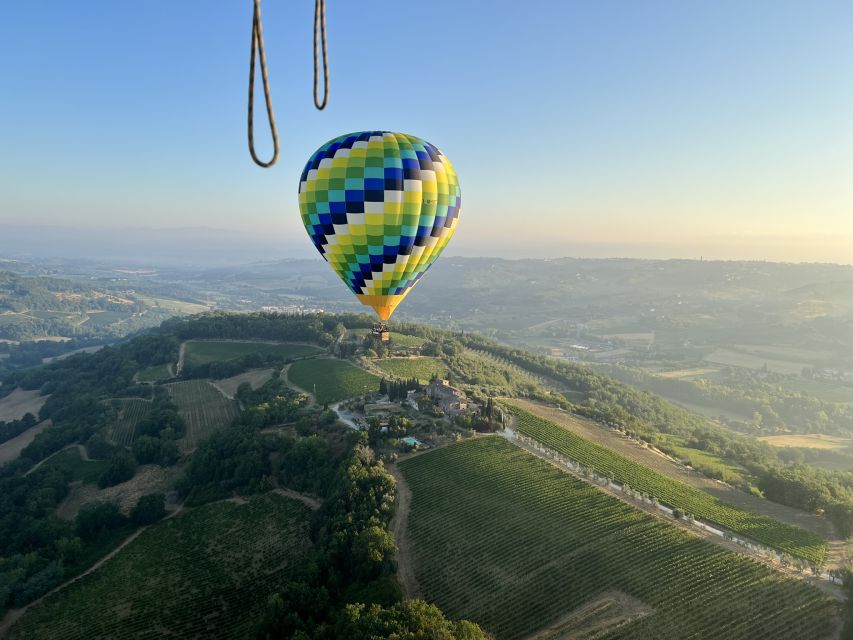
(450, 399)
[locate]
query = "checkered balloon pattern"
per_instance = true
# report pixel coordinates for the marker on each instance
(380, 207)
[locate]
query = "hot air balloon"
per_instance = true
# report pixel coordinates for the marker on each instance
(380, 207)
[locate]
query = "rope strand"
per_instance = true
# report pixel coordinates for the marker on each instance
(320, 25)
(258, 44)
(258, 50)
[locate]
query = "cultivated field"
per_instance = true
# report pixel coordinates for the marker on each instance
(334, 379)
(672, 493)
(397, 339)
(422, 368)
(19, 403)
(11, 449)
(648, 457)
(732, 358)
(204, 409)
(131, 411)
(402, 340)
(505, 539)
(685, 373)
(206, 573)
(203, 351)
(176, 306)
(809, 441)
(156, 373)
(256, 378)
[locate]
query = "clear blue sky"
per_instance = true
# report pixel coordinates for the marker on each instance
(623, 128)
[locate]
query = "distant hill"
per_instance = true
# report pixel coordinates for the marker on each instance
(45, 308)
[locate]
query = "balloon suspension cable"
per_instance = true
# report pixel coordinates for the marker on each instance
(258, 49)
(320, 30)
(258, 45)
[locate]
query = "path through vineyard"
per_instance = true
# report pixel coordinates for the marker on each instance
(632, 450)
(403, 557)
(832, 590)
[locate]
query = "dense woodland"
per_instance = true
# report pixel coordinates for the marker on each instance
(346, 589)
(752, 393)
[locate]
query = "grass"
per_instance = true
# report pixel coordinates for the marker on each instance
(206, 573)
(198, 353)
(333, 380)
(675, 494)
(204, 409)
(87, 471)
(421, 368)
(507, 540)
(155, 374)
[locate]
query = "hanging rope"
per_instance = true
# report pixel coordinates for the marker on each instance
(258, 47)
(320, 28)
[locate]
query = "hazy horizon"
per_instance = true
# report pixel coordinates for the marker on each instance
(653, 130)
(210, 245)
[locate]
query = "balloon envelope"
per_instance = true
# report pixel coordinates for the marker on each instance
(380, 207)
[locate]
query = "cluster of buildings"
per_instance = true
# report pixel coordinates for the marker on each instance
(451, 400)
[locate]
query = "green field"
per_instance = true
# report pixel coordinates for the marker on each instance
(402, 340)
(507, 540)
(397, 339)
(673, 493)
(826, 390)
(334, 379)
(206, 573)
(204, 409)
(734, 358)
(86, 471)
(106, 318)
(702, 460)
(131, 411)
(198, 353)
(421, 368)
(155, 374)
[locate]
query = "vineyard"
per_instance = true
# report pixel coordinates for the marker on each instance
(198, 353)
(672, 493)
(204, 574)
(130, 412)
(505, 539)
(204, 409)
(334, 380)
(421, 368)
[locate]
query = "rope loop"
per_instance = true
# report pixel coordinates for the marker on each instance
(258, 50)
(258, 45)
(320, 29)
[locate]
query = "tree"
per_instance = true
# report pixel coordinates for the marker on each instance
(122, 468)
(149, 509)
(412, 619)
(95, 518)
(146, 449)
